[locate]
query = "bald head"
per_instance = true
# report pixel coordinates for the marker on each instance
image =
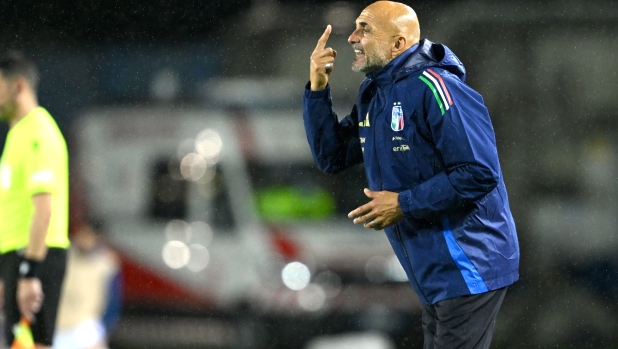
(398, 20)
(384, 30)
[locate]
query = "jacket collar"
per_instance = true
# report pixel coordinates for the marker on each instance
(423, 55)
(388, 73)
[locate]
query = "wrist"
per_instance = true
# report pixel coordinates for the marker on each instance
(317, 88)
(321, 94)
(28, 268)
(404, 203)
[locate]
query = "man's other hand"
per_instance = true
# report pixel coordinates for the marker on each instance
(382, 211)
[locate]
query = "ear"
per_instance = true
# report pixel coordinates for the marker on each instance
(399, 46)
(21, 84)
(16, 86)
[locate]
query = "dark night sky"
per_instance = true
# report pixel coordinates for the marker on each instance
(112, 21)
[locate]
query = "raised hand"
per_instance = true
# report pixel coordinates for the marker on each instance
(322, 62)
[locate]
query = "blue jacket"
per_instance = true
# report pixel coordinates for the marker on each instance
(422, 132)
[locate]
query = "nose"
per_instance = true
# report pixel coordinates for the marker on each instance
(354, 37)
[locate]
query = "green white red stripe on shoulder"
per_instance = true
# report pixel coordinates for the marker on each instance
(438, 87)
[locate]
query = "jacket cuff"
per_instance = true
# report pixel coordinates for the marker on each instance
(316, 94)
(404, 203)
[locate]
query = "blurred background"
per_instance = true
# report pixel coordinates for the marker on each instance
(190, 164)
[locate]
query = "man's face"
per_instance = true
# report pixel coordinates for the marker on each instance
(8, 104)
(370, 42)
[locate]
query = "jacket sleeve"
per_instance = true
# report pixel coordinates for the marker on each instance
(461, 131)
(335, 144)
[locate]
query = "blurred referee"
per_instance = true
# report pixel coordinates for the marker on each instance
(33, 203)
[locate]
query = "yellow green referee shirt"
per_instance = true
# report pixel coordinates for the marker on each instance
(34, 160)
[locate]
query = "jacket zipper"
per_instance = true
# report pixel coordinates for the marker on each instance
(403, 247)
(375, 147)
(375, 152)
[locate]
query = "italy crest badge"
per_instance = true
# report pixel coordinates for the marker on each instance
(397, 117)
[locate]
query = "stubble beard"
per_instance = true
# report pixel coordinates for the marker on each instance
(374, 60)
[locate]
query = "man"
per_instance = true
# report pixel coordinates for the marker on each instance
(90, 300)
(435, 183)
(33, 203)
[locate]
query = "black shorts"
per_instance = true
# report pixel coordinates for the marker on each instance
(51, 274)
(462, 322)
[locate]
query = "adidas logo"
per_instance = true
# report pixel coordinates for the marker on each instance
(366, 122)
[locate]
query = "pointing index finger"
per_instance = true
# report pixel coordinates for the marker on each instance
(322, 41)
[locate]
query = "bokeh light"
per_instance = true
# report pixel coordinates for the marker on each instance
(201, 233)
(177, 229)
(330, 283)
(376, 268)
(176, 254)
(208, 144)
(311, 298)
(199, 258)
(192, 167)
(296, 276)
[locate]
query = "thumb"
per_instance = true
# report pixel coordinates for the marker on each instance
(369, 193)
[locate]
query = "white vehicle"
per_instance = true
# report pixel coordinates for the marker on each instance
(217, 210)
